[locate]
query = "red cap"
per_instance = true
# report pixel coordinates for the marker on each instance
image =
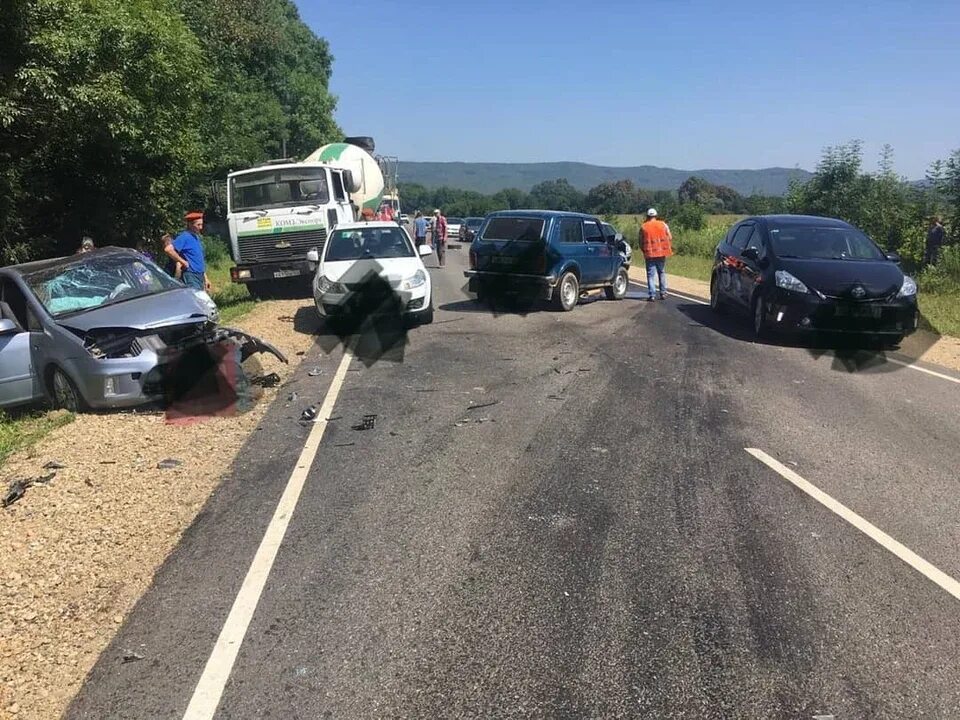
(191, 216)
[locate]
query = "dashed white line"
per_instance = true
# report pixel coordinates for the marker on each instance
(924, 370)
(872, 531)
(209, 689)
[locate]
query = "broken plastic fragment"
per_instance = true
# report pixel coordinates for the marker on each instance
(169, 463)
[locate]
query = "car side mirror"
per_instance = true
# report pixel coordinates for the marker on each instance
(893, 257)
(425, 250)
(313, 256)
(9, 327)
(750, 253)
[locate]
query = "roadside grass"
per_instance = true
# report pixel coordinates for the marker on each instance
(19, 430)
(233, 299)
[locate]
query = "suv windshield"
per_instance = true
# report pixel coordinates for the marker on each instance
(828, 243)
(94, 282)
(473, 223)
(279, 188)
(368, 244)
(514, 229)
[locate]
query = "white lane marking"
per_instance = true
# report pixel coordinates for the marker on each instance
(872, 531)
(207, 694)
(643, 286)
(924, 370)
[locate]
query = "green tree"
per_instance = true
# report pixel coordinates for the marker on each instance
(557, 195)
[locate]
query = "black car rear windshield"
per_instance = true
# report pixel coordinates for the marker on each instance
(517, 229)
(827, 243)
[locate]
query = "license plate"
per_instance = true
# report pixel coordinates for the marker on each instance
(504, 261)
(285, 273)
(866, 311)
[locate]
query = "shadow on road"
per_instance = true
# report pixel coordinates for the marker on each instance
(850, 354)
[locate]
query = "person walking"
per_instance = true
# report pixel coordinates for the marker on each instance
(935, 239)
(187, 250)
(420, 228)
(439, 235)
(655, 240)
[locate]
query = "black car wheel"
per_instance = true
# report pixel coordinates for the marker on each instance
(621, 282)
(716, 302)
(64, 393)
(760, 330)
(568, 292)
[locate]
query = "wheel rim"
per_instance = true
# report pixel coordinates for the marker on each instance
(62, 391)
(620, 288)
(569, 292)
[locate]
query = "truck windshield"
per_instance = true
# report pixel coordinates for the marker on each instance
(279, 188)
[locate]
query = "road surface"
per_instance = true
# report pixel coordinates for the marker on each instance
(591, 540)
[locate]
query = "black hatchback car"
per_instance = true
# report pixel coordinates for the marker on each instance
(800, 273)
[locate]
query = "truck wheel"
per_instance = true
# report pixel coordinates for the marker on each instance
(568, 292)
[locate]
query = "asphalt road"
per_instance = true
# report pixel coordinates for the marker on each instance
(596, 544)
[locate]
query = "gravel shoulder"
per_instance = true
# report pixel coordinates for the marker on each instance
(79, 550)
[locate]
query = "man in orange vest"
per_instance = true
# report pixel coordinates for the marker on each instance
(655, 240)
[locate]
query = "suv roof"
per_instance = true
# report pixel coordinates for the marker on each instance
(540, 214)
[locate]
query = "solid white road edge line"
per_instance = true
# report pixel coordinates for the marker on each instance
(902, 363)
(671, 292)
(873, 532)
(923, 370)
(207, 694)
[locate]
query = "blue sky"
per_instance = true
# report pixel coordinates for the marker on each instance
(681, 84)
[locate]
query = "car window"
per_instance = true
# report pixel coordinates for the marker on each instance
(829, 243)
(368, 244)
(338, 192)
(571, 230)
(592, 231)
(740, 238)
(15, 300)
(95, 281)
(609, 231)
(513, 229)
(755, 241)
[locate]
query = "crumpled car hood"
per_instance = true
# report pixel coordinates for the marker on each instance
(152, 311)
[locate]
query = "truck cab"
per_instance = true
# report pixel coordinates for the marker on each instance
(278, 212)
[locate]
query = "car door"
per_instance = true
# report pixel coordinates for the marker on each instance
(750, 270)
(572, 246)
(19, 332)
(343, 211)
(731, 280)
(600, 254)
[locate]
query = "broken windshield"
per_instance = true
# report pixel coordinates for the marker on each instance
(92, 282)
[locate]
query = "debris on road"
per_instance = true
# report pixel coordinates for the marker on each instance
(309, 414)
(472, 421)
(54, 465)
(483, 405)
(367, 423)
(169, 464)
(130, 656)
(555, 397)
(314, 372)
(343, 444)
(18, 488)
(267, 381)
(292, 397)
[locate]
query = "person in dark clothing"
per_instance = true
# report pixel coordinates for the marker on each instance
(936, 237)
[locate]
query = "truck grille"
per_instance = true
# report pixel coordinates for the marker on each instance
(262, 248)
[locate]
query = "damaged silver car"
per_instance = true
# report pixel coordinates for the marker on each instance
(103, 329)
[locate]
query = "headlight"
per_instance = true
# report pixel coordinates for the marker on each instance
(788, 282)
(208, 303)
(326, 285)
(908, 288)
(418, 279)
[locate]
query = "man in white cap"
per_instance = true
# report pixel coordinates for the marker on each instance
(655, 240)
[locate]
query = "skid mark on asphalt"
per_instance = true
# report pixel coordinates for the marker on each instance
(867, 528)
(209, 690)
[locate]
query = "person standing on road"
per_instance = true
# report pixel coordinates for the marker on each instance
(935, 239)
(655, 239)
(420, 228)
(439, 235)
(187, 250)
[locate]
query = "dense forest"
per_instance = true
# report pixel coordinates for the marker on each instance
(116, 115)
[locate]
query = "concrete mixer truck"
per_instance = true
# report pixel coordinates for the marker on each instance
(279, 211)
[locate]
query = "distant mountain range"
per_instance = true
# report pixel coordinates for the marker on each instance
(488, 178)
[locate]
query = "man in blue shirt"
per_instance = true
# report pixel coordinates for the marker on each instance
(420, 228)
(187, 251)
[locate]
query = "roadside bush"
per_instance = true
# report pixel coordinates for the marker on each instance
(689, 216)
(944, 277)
(699, 243)
(215, 250)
